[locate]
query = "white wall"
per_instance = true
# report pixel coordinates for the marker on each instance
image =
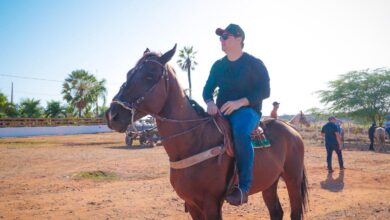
(60, 130)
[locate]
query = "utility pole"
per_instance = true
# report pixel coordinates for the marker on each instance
(12, 93)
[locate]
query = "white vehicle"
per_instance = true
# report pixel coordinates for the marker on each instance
(145, 130)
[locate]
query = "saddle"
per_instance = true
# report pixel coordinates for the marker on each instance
(258, 137)
(258, 140)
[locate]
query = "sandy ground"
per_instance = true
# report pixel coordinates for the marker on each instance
(37, 182)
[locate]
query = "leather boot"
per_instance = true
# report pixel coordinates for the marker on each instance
(237, 197)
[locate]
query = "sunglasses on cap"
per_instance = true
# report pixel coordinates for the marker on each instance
(225, 36)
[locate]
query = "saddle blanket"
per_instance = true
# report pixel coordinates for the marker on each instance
(259, 140)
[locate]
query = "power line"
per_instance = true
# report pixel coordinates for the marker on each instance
(38, 94)
(33, 78)
(51, 80)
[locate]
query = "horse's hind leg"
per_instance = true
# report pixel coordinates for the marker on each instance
(271, 199)
(296, 201)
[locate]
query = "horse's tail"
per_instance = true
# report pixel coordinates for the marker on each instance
(304, 191)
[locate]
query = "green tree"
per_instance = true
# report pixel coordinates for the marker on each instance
(3, 105)
(30, 108)
(317, 113)
(71, 111)
(102, 111)
(54, 109)
(360, 94)
(78, 90)
(12, 110)
(88, 113)
(187, 63)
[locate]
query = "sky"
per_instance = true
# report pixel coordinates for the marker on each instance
(303, 43)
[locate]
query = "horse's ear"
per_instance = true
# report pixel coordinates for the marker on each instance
(146, 51)
(168, 55)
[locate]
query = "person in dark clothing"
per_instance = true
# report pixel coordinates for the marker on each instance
(332, 142)
(371, 132)
(243, 83)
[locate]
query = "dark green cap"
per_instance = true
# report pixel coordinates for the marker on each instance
(232, 29)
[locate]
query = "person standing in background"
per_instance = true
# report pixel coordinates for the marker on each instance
(332, 142)
(274, 112)
(371, 132)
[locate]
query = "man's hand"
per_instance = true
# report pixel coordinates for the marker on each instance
(230, 106)
(212, 108)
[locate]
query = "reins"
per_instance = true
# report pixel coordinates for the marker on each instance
(134, 106)
(187, 162)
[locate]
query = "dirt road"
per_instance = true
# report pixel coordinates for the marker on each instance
(39, 180)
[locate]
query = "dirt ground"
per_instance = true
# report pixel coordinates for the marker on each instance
(37, 181)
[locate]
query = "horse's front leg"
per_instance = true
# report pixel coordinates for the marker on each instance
(212, 209)
(194, 210)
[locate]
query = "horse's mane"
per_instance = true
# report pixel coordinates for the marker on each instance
(198, 109)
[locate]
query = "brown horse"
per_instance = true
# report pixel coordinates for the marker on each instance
(152, 88)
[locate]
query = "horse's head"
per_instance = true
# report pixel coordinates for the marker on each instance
(143, 93)
(303, 120)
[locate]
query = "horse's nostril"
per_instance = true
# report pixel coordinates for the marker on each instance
(113, 117)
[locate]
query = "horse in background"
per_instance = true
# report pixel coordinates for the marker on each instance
(379, 136)
(341, 130)
(298, 120)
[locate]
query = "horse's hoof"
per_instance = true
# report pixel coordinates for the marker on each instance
(237, 197)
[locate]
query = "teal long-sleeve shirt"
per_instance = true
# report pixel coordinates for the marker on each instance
(246, 77)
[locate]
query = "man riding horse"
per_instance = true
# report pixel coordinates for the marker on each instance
(243, 83)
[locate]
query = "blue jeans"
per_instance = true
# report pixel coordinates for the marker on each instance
(329, 152)
(243, 121)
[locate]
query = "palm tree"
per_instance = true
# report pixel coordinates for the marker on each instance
(78, 89)
(99, 91)
(55, 110)
(187, 63)
(30, 108)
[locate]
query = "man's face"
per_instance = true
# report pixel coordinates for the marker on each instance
(229, 42)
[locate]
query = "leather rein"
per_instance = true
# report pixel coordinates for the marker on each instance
(133, 107)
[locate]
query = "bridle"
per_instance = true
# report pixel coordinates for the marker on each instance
(132, 105)
(135, 105)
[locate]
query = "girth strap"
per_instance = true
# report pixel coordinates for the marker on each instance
(198, 158)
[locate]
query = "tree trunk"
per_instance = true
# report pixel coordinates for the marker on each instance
(189, 81)
(97, 108)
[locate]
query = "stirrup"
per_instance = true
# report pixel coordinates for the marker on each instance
(242, 195)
